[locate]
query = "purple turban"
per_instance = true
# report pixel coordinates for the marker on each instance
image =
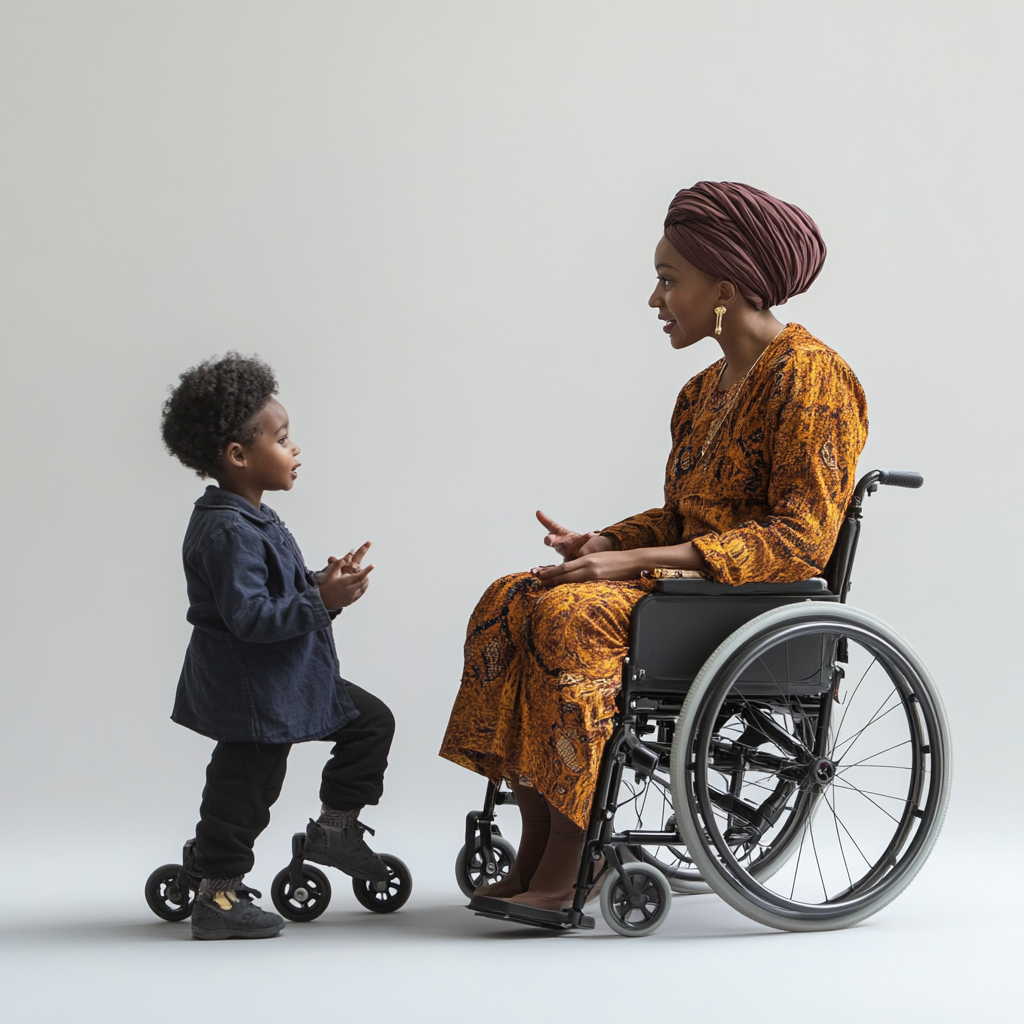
(769, 249)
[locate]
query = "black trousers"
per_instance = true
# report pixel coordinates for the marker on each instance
(243, 780)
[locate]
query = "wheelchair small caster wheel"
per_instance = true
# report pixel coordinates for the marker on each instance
(639, 908)
(469, 869)
(305, 901)
(166, 897)
(385, 897)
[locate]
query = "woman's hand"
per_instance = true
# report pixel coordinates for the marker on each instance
(620, 565)
(570, 544)
(599, 565)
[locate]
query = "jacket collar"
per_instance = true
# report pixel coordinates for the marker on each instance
(217, 497)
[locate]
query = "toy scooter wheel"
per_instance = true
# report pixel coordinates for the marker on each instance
(385, 897)
(305, 901)
(469, 867)
(166, 898)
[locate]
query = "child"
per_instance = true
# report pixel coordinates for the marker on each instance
(261, 671)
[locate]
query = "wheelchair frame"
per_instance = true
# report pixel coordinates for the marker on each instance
(665, 677)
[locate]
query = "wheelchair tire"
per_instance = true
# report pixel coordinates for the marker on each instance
(385, 897)
(639, 910)
(734, 742)
(304, 902)
(469, 870)
(164, 895)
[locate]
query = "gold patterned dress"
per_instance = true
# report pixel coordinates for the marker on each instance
(759, 478)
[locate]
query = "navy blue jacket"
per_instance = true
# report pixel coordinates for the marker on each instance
(261, 665)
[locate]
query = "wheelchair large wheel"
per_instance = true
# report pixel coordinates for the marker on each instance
(810, 800)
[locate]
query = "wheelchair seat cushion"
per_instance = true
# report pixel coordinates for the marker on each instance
(708, 588)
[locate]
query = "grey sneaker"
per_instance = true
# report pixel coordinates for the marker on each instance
(343, 848)
(241, 920)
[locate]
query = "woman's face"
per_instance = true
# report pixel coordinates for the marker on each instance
(684, 297)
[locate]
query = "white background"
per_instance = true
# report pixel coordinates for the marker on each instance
(436, 221)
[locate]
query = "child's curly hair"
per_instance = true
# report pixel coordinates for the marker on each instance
(214, 404)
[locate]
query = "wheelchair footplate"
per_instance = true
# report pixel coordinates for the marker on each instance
(504, 910)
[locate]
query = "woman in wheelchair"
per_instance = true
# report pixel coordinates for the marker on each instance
(765, 443)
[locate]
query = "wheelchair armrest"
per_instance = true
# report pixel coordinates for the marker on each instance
(708, 588)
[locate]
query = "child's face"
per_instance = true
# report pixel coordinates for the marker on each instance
(270, 461)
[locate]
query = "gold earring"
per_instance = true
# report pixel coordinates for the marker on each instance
(719, 313)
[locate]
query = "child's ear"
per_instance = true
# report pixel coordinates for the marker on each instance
(234, 455)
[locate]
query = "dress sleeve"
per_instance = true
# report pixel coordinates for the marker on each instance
(818, 417)
(657, 527)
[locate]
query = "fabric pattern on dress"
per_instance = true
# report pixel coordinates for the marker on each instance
(763, 502)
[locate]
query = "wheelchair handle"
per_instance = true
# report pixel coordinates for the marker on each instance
(870, 482)
(840, 563)
(901, 478)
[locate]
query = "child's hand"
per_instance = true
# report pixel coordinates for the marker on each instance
(344, 580)
(349, 563)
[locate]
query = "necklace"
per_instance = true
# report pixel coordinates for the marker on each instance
(736, 389)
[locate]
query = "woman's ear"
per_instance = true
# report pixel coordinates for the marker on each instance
(234, 455)
(727, 291)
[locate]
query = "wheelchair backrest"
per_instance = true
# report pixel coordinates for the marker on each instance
(840, 564)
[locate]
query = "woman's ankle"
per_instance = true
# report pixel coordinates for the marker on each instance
(536, 828)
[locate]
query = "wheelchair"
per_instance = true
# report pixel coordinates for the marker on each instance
(772, 745)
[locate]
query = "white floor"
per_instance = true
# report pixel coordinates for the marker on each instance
(75, 948)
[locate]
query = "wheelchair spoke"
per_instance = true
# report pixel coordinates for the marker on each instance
(885, 796)
(849, 703)
(799, 854)
(863, 762)
(773, 732)
(839, 838)
(759, 785)
(817, 859)
(771, 675)
(877, 717)
(862, 793)
(849, 834)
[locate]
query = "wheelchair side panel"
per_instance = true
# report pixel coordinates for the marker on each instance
(672, 636)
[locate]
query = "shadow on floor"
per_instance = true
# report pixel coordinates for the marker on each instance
(693, 918)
